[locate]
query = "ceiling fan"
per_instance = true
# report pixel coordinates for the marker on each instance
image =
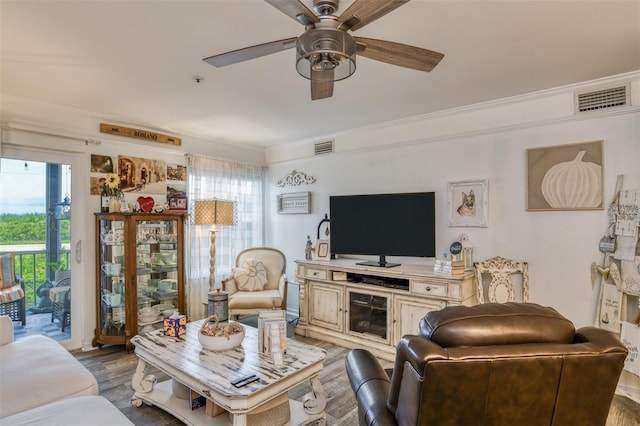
(326, 52)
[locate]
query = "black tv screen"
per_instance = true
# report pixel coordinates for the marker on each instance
(383, 225)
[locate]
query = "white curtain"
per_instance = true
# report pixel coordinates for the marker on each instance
(224, 180)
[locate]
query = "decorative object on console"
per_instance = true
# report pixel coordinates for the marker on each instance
(468, 203)
(467, 251)
(326, 221)
(322, 251)
(565, 177)
(295, 178)
(308, 250)
(213, 212)
(294, 203)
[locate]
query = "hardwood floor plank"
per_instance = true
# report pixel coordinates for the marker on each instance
(113, 368)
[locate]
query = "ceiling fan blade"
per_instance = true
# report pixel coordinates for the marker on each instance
(363, 12)
(296, 10)
(321, 84)
(251, 52)
(399, 54)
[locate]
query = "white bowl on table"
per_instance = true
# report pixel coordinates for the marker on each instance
(220, 343)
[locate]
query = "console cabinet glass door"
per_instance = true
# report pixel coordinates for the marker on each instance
(140, 273)
(112, 292)
(156, 271)
(368, 315)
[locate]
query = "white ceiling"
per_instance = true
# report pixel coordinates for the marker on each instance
(134, 61)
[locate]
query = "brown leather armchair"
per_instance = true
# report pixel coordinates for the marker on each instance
(491, 364)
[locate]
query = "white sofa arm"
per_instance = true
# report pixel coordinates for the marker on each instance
(6, 330)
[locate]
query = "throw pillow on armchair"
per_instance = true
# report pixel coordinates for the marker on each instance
(251, 276)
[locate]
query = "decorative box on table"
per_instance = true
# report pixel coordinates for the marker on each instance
(175, 325)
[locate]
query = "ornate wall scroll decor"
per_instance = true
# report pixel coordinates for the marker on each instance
(295, 178)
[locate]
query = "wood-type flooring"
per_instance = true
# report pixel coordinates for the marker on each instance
(113, 367)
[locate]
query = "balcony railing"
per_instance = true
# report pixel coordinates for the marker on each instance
(33, 267)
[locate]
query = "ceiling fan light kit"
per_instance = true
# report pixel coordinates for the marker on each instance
(326, 52)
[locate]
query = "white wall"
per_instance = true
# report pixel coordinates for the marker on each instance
(423, 153)
(559, 246)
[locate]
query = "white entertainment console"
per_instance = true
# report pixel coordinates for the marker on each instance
(354, 306)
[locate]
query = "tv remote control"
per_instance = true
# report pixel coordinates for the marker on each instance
(244, 380)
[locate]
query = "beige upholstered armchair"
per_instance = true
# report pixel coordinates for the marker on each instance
(258, 282)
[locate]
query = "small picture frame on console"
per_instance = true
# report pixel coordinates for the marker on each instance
(322, 251)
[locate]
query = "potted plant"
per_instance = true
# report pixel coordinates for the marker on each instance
(60, 270)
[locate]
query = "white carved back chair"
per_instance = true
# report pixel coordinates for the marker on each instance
(495, 280)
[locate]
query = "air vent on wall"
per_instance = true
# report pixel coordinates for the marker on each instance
(323, 148)
(601, 99)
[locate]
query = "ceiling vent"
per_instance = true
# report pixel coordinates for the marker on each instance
(323, 147)
(611, 97)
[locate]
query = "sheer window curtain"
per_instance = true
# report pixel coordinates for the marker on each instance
(225, 180)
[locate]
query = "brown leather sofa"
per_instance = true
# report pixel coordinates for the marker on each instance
(491, 364)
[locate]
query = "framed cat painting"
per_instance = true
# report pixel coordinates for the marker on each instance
(468, 203)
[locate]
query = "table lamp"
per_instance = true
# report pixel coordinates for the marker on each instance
(213, 212)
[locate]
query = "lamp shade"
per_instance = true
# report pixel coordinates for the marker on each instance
(214, 212)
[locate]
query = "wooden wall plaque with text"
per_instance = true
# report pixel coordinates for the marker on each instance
(146, 135)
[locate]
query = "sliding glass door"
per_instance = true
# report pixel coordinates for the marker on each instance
(36, 226)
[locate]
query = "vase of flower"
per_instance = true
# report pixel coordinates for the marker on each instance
(112, 182)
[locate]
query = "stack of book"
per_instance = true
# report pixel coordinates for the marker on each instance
(451, 267)
(272, 331)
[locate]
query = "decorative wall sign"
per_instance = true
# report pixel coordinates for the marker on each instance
(468, 203)
(146, 135)
(295, 178)
(294, 203)
(565, 177)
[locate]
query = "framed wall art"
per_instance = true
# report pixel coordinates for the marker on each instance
(565, 177)
(468, 203)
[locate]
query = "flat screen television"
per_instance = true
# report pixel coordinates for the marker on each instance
(383, 225)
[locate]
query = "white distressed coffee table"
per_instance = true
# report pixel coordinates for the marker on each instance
(209, 374)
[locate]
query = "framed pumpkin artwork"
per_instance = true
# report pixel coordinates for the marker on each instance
(565, 177)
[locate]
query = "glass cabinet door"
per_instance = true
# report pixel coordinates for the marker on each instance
(156, 271)
(112, 263)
